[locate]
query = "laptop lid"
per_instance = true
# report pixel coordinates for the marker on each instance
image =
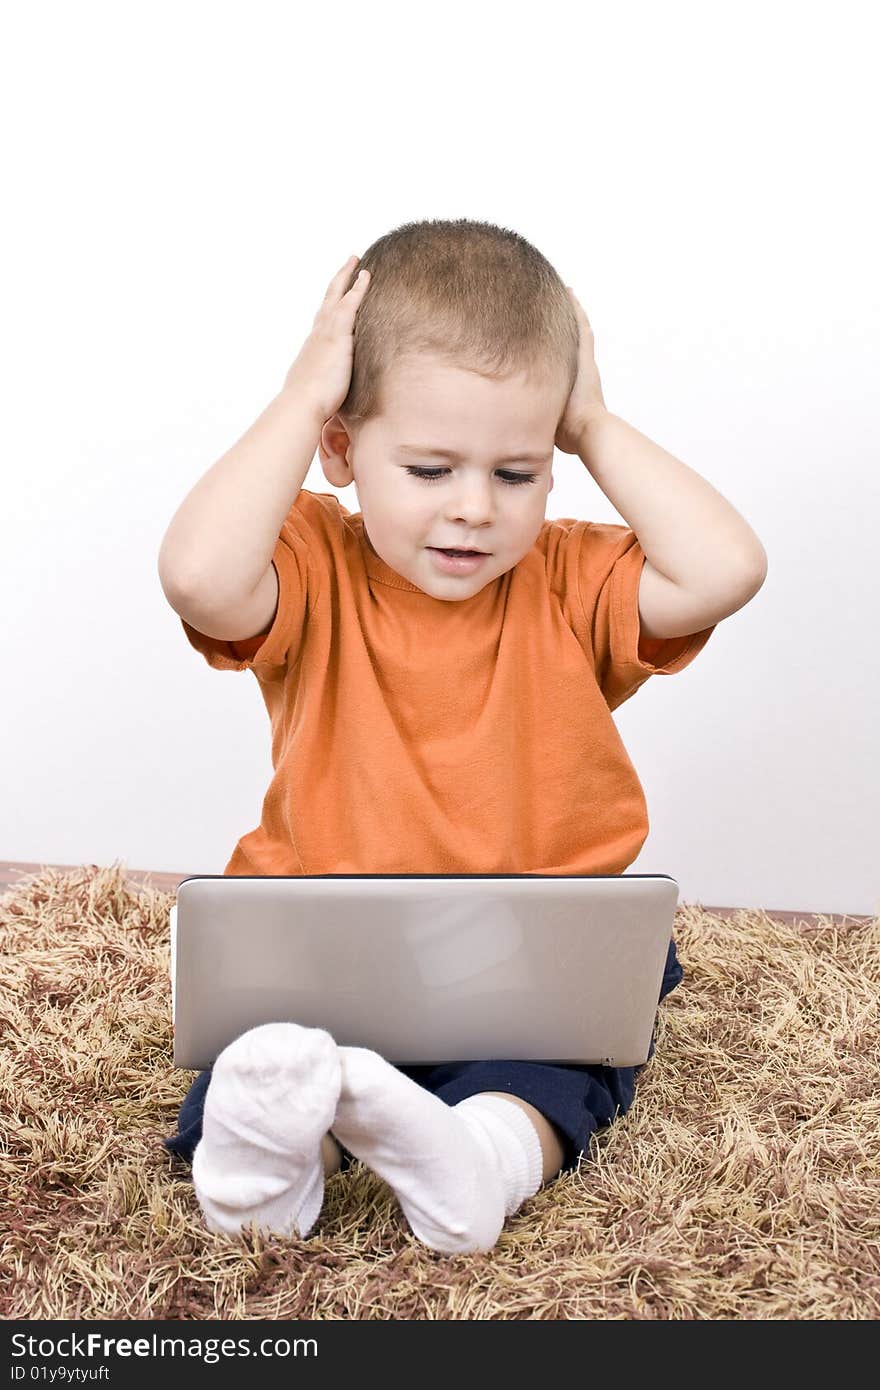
(425, 968)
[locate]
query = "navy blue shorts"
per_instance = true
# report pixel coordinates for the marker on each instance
(578, 1100)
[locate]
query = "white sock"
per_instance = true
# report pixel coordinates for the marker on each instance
(271, 1099)
(457, 1171)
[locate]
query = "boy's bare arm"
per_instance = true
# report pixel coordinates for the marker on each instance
(222, 537)
(219, 545)
(703, 560)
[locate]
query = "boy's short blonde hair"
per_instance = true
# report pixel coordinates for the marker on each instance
(477, 295)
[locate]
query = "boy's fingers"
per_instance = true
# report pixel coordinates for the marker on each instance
(341, 275)
(361, 280)
(578, 307)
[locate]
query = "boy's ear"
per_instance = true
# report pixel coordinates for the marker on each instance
(333, 445)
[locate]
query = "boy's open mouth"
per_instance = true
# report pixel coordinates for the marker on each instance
(457, 561)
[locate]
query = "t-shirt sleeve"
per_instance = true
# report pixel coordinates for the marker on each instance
(599, 567)
(299, 563)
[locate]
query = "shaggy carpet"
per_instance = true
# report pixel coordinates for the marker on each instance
(743, 1183)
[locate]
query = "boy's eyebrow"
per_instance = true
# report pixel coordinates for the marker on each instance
(524, 457)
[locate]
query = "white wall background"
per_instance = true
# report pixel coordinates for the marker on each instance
(182, 182)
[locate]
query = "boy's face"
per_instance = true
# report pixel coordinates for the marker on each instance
(502, 432)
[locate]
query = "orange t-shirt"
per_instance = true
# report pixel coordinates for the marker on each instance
(415, 735)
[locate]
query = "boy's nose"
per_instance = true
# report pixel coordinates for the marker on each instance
(472, 506)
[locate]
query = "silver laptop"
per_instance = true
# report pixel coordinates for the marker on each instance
(425, 968)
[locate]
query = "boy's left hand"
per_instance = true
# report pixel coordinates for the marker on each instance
(586, 397)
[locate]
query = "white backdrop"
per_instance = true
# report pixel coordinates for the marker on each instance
(183, 180)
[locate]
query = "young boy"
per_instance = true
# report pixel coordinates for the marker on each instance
(435, 712)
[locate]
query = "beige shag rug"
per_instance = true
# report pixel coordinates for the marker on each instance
(743, 1183)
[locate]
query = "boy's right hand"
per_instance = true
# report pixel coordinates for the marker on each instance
(322, 370)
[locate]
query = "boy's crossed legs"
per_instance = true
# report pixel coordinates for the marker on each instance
(279, 1094)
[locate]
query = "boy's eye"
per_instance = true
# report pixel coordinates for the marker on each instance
(431, 475)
